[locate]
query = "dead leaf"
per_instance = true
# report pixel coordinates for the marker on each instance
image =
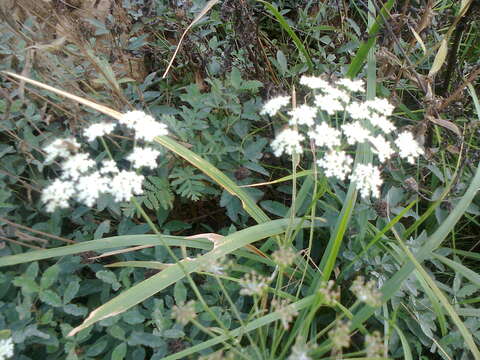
(446, 124)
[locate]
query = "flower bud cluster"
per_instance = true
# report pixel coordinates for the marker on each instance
(362, 122)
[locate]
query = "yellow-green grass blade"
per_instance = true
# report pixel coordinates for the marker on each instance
(284, 24)
(253, 325)
(437, 309)
(407, 351)
(109, 243)
(174, 273)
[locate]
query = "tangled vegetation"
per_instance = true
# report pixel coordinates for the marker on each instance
(239, 179)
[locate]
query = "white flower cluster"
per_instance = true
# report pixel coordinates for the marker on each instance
(6, 348)
(363, 122)
(83, 181)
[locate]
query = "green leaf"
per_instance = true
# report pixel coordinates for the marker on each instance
(71, 290)
(51, 298)
(180, 292)
(282, 62)
(133, 317)
(119, 352)
(274, 207)
(102, 229)
(114, 242)
(235, 78)
(49, 276)
(146, 339)
(97, 348)
(27, 284)
(108, 277)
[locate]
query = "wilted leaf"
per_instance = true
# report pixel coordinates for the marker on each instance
(439, 58)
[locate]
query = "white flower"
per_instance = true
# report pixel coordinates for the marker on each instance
(303, 115)
(145, 126)
(358, 110)
(368, 180)
(381, 122)
(6, 348)
(109, 166)
(144, 157)
(337, 94)
(99, 129)
(336, 164)
(57, 194)
(381, 147)
(328, 104)
(366, 292)
(89, 187)
(408, 147)
(352, 85)
(355, 132)
(148, 130)
(299, 350)
(381, 106)
(272, 106)
(253, 284)
(313, 82)
(131, 118)
(287, 141)
(325, 135)
(60, 148)
(76, 165)
(126, 184)
(184, 313)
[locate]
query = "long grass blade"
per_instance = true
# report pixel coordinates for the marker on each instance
(114, 242)
(174, 273)
(284, 24)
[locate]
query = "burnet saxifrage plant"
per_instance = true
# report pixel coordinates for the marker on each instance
(356, 122)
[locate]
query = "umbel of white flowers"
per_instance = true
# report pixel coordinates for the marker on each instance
(83, 180)
(361, 122)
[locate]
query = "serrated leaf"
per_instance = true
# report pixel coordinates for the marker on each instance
(49, 276)
(439, 58)
(51, 298)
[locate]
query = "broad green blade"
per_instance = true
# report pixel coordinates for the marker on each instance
(174, 273)
(114, 242)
